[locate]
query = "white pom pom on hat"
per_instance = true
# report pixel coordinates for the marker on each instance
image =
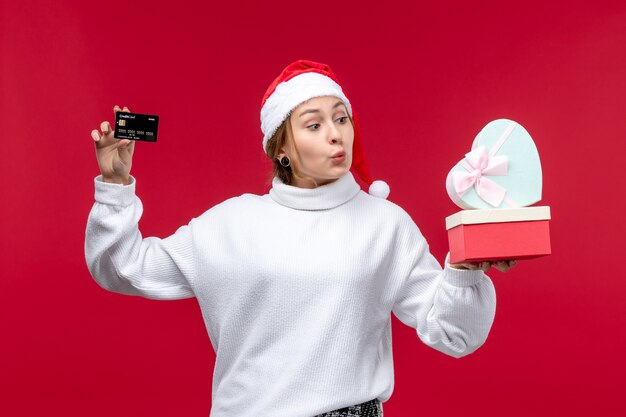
(298, 82)
(379, 189)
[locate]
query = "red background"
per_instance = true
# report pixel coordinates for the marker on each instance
(424, 78)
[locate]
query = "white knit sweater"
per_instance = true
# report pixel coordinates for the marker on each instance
(296, 289)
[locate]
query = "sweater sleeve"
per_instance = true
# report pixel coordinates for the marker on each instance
(451, 309)
(120, 260)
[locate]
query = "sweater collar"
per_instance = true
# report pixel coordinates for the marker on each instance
(321, 198)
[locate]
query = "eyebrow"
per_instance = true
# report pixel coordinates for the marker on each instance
(337, 104)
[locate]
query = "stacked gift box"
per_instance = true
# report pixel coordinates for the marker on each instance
(495, 184)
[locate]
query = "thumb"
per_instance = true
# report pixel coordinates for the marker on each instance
(130, 147)
(123, 143)
(126, 149)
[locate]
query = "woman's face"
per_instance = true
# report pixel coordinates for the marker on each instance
(323, 137)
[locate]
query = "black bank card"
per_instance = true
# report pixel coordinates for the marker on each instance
(136, 126)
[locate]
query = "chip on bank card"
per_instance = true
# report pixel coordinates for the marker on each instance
(136, 126)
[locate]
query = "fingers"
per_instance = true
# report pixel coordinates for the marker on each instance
(105, 127)
(501, 266)
(117, 108)
(95, 134)
(504, 266)
(104, 136)
(105, 130)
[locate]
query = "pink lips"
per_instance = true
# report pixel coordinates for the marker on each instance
(339, 157)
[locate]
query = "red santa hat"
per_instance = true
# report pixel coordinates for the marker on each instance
(300, 81)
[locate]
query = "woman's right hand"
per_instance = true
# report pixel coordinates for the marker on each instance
(115, 156)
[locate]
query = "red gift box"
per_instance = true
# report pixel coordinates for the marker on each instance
(497, 234)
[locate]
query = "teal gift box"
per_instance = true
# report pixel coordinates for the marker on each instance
(502, 170)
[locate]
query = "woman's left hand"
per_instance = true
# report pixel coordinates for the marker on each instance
(501, 266)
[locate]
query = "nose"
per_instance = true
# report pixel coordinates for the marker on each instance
(334, 135)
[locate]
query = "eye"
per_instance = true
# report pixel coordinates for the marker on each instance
(315, 124)
(343, 119)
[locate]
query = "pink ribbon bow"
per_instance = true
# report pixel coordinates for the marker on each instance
(479, 163)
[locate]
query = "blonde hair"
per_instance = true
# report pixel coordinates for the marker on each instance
(283, 137)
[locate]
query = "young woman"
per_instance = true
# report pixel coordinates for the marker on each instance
(296, 287)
